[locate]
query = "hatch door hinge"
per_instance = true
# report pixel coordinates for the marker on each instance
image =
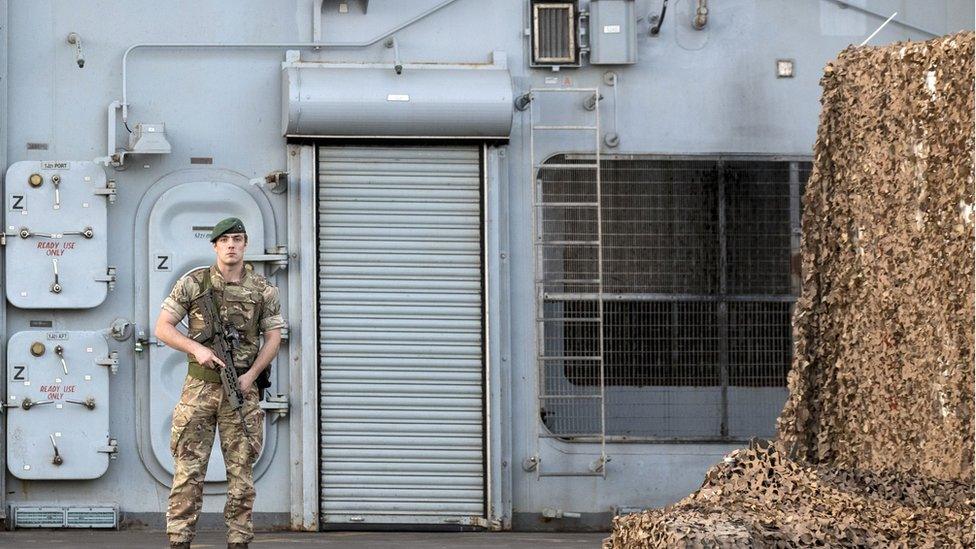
(276, 258)
(112, 361)
(112, 449)
(108, 191)
(108, 277)
(276, 404)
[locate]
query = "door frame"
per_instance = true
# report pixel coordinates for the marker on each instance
(303, 355)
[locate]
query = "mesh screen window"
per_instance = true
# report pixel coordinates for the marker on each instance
(699, 261)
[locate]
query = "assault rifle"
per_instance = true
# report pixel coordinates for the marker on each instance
(226, 340)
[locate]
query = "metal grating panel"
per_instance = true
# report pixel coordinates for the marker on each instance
(758, 227)
(400, 305)
(698, 292)
(760, 344)
(554, 33)
(660, 227)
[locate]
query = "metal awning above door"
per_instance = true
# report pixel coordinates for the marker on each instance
(424, 100)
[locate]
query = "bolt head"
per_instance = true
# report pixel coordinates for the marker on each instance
(37, 348)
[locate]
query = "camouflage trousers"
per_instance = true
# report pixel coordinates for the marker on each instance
(203, 407)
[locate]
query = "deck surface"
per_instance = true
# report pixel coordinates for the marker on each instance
(374, 540)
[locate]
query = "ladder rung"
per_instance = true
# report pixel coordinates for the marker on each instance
(568, 357)
(571, 204)
(568, 243)
(564, 127)
(566, 319)
(568, 166)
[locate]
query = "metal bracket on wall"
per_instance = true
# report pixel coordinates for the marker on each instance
(493, 525)
(276, 182)
(584, 47)
(597, 468)
(142, 339)
(277, 405)
(276, 257)
(121, 329)
(551, 513)
(598, 465)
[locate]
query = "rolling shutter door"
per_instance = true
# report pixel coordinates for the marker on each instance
(401, 355)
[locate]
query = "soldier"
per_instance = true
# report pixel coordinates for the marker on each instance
(248, 302)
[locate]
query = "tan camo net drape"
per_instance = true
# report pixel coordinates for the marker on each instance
(876, 440)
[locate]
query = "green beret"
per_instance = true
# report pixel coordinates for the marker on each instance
(229, 225)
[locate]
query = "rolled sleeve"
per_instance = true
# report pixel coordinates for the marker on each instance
(177, 303)
(271, 318)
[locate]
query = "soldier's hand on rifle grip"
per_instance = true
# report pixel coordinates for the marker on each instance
(206, 357)
(245, 381)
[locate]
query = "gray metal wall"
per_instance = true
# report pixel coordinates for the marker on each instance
(690, 92)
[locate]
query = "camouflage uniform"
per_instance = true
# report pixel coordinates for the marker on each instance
(252, 306)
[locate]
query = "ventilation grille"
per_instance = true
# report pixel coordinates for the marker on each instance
(38, 517)
(90, 517)
(554, 33)
(65, 517)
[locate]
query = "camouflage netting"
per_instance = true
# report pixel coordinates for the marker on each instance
(876, 440)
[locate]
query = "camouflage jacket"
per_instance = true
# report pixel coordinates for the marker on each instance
(251, 305)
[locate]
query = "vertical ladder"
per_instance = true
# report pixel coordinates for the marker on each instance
(576, 287)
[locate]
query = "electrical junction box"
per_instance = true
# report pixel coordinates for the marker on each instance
(613, 32)
(56, 253)
(58, 405)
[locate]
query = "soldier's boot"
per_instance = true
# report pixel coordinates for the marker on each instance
(236, 546)
(179, 545)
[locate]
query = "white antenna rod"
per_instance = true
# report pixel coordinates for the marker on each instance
(866, 40)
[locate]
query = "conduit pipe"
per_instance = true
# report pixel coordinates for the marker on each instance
(865, 11)
(267, 45)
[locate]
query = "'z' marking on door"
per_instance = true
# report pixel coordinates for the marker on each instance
(17, 203)
(19, 374)
(162, 263)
